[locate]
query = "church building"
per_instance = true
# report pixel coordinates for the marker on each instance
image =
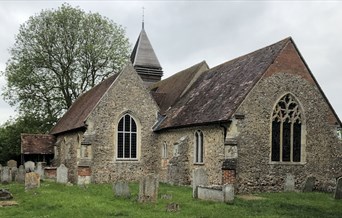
(249, 122)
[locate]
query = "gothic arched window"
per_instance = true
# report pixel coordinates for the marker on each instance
(127, 138)
(287, 131)
(199, 148)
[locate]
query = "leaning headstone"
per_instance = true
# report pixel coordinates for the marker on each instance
(228, 193)
(29, 166)
(289, 185)
(20, 177)
(200, 177)
(121, 189)
(14, 172)
(6, 175)
(32, 180)
(5, 195)
(11, 163)
(40, 170)
(148, 188)
(338, 190)
(309, 184)
(62, 174)
(172, 207)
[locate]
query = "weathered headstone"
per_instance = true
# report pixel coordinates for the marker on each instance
(5, 195)
(200, 177)
(29, 166)
(11, 163)
(32, 180)
(20, 177)
(40, 170)
(228, 193)
(338, 190)
(172, 207)
(14, 172)
(0, 171)
(309, 184)
(62, 174)
(121, 189)
(148, 188)
(289, 185)
(6, 175)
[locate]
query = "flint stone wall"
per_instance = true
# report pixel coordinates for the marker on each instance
(127, 95)
(213, 142)
(323, 150)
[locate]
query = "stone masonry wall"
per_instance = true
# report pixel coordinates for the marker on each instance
(68, 145)
(213, 154)
(323, 153)
(126, 95)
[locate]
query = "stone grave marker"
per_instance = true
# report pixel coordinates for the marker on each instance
(172, 207)
(6, 175)
(148, 188)
(20, 177)
(0, 171)
(32, 180)
(14, 172)
(338, 190)
(62, 174)
(309, 184)
(289, 185)
(5, 195)
(40, 170)
(121, 189)
(29, 166)
(11, 163)
(200, 177)
(228, 193)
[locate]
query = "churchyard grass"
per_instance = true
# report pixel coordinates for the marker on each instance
(97, 200)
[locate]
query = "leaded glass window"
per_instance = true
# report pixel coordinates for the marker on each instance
(199, 146)
(286, 130)
(127, 138)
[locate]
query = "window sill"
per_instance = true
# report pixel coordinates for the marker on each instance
(286, 163)
(200, 164)
(126, 160)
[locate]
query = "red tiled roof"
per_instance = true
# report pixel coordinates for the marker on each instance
(218, 92)
(75, 116)
(37, 143)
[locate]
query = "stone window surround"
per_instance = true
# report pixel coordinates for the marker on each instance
(198, 133)
(303, 134)
(164, 150)
(138, 132)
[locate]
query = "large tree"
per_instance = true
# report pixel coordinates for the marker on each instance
(59, 54)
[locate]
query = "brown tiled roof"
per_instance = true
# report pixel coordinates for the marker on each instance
(37, 143)
(218, 92)
(75, 116)
(168, 91)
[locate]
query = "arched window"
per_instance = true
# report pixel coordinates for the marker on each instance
(127, 138)
(287, 130)
(199, 148)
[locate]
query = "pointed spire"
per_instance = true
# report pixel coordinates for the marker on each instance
(144, 59)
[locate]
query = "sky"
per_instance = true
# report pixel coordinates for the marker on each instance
(184, 33)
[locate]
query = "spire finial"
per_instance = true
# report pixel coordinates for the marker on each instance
(143, 17)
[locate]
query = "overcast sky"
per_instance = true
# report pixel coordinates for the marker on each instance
(184, 33)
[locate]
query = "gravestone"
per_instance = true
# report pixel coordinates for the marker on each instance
(0, 171)
(11, 163)
(32, 180)
(29, 166)
(338, 190)
(6, 175)
(20, 177)
(5, 195)
(121, 189)
(289, 185)
(14, 172)
(148, 188)
(40, 170)
(172, 207)
(62, 174)
(200, 177)
(309, 184)
(228, 193)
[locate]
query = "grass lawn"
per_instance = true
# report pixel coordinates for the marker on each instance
(56, 200)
